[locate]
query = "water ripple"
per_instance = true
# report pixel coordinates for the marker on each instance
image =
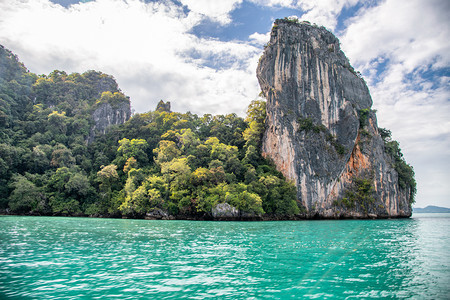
(73, 258)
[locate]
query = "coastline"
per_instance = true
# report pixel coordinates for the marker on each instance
(262, 218)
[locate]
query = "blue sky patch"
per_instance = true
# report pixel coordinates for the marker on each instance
(426, 74)
(248, 18)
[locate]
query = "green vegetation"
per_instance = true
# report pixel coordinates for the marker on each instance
(160, 160)
(113, 99)
(363, 117)
(350, 68)
(361, 192)
(307, 125)
(340, 149)
(405, 171)
(291, 20)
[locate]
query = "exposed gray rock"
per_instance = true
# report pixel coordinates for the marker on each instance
(313, 134)
(163, 106)
(105, 116)
(157, 214)
(225, 211)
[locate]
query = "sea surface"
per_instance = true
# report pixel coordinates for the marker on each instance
(84, 258)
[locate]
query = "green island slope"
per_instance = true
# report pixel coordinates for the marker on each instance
(58, 157)
(156, 165)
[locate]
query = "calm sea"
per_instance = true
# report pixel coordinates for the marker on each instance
(83, 258)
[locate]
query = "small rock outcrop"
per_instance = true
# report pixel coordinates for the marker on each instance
(111, 109)
(157, 214)
(225, 211)
(105, 116)
(320, 130)
(163, 106)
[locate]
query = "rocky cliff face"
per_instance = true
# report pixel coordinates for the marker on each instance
(106, 115)
(112, 107)
(320, 130)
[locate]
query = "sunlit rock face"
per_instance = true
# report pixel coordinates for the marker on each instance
(108, 114)
(320, 130)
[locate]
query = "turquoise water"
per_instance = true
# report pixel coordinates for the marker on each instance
(82, 258)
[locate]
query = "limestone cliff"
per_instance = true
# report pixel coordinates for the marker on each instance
(111, 109)
(320, 130)
(106, 115)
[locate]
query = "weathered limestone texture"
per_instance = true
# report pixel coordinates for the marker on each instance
(320, 130)
(105, 116)
(225, 211)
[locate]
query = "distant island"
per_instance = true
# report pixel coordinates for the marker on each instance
(431, 209)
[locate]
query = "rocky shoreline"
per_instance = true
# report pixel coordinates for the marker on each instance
(165, 216)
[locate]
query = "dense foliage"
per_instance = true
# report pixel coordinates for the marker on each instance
(405, 171)
(360, 192)
(178, 163)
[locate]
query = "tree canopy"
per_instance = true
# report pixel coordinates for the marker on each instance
(179, 163)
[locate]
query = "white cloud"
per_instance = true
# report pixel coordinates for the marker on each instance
(275, 3)
(412, 32)
(259, 38)
(322, 12)
(215, 10)
(145, 46)
(409, 37)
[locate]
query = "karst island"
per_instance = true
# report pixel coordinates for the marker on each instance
(312, 149)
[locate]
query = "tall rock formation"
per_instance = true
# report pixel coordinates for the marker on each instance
(320, 130)
(112, 107)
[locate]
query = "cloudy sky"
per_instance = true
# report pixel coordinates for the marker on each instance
(202, 54)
